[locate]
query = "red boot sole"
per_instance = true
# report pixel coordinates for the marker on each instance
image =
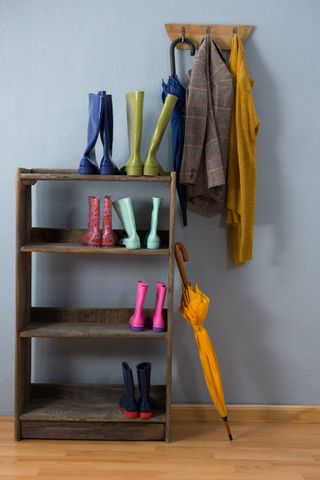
(146, 416)
(130, 415)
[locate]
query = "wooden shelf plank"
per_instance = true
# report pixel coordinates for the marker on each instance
(35, 175)
(85, 330)
(222, 34)
(51, 247)
(84, 403)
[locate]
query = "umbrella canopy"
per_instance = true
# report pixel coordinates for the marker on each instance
(174, 87)
(194, 308)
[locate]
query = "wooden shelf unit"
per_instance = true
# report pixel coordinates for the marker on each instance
(81, 411)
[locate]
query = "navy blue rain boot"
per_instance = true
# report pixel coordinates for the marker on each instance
(88, 164)
(128, 404)
(107, 167)
(145, 403)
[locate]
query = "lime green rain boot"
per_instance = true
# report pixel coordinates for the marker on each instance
(124, 210)
(134, 102)
(153, 239)
(151, 166)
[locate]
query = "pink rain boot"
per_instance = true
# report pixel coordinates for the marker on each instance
(138, 320)
(92, 237)
(109, 238)
(158, 322)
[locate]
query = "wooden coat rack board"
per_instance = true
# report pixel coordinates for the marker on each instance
(222, 34)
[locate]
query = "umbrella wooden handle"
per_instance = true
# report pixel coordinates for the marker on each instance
(180, 250)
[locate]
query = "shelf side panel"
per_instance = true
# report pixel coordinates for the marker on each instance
(23, 298)
(170, 303)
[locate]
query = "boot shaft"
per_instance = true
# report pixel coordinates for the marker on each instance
(156, 204)
(134, 101)
(145, 403)
(94, 213)
(106, 133)
(93, 235)
(162, 123)
(109, 238)
(137, 322)
(153, 239)
(161, 290)
(144, 375)
(107, 211)
(142, 289)
(88, 164)
(124, 209)
(128, 402)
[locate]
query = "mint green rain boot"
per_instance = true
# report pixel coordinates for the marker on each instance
(124, 210)
(151, 166)
(153, 239)
(134, 102)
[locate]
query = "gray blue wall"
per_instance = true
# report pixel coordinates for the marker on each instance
(264, 317)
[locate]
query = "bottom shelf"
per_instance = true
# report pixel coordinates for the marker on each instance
(87, 412)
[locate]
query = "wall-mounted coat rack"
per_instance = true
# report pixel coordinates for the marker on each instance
(222, 34)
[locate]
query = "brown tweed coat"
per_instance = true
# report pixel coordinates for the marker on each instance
(207, 130)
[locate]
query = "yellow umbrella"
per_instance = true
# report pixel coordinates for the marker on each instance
(194, 307)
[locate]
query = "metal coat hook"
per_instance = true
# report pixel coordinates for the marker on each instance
(183, 32)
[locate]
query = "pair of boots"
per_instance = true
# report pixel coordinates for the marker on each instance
(151, 166)
(125, 212)
(100, 121)
(138, 321)
(93, 237)
(128, 404)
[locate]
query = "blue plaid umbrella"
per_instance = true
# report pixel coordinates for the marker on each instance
(177, 126)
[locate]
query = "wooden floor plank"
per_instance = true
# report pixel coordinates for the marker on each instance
(199, 451)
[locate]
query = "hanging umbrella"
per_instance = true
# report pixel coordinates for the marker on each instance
(194, 307)
(174, 87)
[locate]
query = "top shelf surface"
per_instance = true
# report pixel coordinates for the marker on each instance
(34, 175)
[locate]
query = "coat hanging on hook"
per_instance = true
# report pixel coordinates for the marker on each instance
(208, 114)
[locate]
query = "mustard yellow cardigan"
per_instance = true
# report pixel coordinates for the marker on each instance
(241, 180)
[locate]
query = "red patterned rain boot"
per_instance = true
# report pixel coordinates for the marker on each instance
(92, 237)
(109, 238)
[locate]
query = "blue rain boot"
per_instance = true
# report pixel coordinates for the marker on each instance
(107, 167)
(145, 403)
(88, 164)
(127, 403)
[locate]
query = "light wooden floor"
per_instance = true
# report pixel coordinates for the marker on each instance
(199, 451)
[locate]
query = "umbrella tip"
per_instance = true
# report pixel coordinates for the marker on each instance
(226, 423)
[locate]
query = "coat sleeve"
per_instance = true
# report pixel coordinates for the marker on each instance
(196, 119)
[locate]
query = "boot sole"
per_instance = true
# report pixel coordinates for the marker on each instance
(130, 415)
(151, 172)
(134, 171)
(159, 330)
(136, 329)
(146, 416)
(153, 245)
(107, 172)
(88, 171)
